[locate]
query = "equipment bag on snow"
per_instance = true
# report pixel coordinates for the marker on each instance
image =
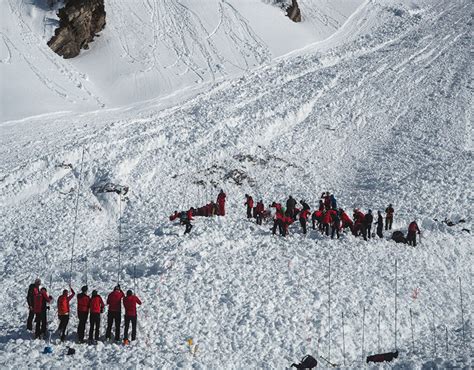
(398, 237)
(307, 362)
(382, 357)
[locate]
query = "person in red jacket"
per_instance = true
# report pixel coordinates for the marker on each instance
(327, 220)
(286, 221)
(259, 210)
(174, 216)
(63, 311)
(327, 200)
(249, 204)
(83, 302)
(304, 214)
(114, 300)
(221, 203)
(96, 308)
(346, 220)
(130, 304)
(40, 306)
(413, 229)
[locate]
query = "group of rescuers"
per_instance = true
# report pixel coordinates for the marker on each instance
(327, 218)
(88, 307)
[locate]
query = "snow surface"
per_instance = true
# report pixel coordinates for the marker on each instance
(148, 49)
(378, 113)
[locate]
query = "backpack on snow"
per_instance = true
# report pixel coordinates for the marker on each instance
(398, 237)
(307, 362)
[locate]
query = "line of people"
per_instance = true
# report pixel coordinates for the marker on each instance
(327, 218)
(88, 307)
(211, 209)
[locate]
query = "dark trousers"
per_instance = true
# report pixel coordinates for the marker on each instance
(335, 230)
(41, 323)
(411, 238)
(259, 218)
(313, 220)
(94, 326)
(388, 223)
(63, 321)
(29, 322)
(326, 229)
(111, 318)
(369, 233)
(188, 227)
(380, 231)
(363, 230)
(81, 328)
(249, 212)
(128, 320)
(277, 223)
(303, 224)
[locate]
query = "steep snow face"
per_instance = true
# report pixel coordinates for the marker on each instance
(378, 114)
(148, 49)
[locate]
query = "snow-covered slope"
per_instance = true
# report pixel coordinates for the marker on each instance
(378, 113)
(148, 49)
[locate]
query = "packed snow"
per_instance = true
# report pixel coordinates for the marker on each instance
(376, 108)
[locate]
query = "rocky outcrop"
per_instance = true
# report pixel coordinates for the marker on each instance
(79, 22)
(294, 12)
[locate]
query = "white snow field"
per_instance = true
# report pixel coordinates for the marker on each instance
(379, 112)
(148, 49)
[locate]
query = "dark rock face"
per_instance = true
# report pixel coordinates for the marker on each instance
(79, 22)
(294, 12)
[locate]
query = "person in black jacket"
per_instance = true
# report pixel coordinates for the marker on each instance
(367, 224)
(290, 207)
(379, 224)
(33, 290)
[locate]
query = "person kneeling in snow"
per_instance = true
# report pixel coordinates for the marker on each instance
(130, 304)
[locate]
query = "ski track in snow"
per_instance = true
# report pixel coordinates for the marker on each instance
(378, 118)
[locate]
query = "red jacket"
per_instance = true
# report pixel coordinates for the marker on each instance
(327, 217)
(97, 304)
(114, 300)
(346, 220)
(359, 216)
(221, 198)
(249, 202)
(40, 300)
(83, 301)
(260, 207)
(304, 214)
(327, 202)
(174, 216)
(190, 218)
(413, 227)
(63, 303)
(130, 304)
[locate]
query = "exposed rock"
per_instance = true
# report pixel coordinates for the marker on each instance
(79, 22)
(294, 12)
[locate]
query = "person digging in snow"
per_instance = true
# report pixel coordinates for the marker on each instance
(221, 203)
(413, 229)
(185, 218)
